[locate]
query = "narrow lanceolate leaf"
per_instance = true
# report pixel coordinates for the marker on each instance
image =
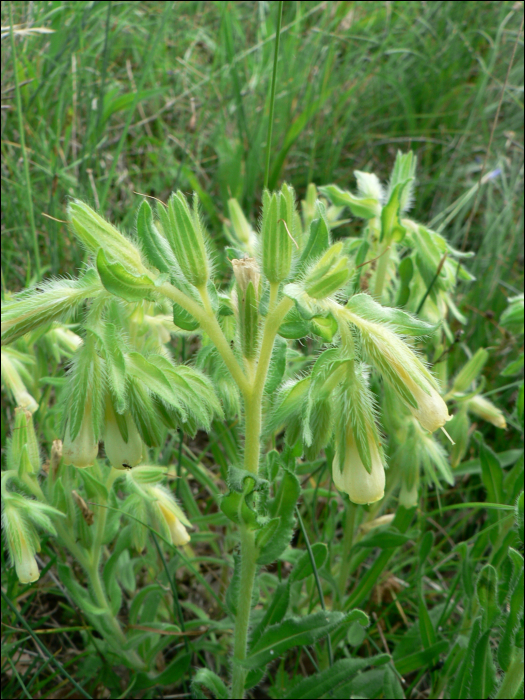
(276, 240)
(194, 390)
(362, 207)
(491, 472)
(318, 239)
(122, 283)
(487, 590)
(85, 388)
(420, 659)
(154, 245)
(186, 238)
(391, 227)
(275, 611)
(296, 631)
(204, 678)
(484, 676)
(49, 301)
(327, 681)
(115, 365)
(364, 306)
(154, 379)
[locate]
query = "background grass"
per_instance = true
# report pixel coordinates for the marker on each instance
(150, 97)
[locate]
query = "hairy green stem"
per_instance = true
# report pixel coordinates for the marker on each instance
(242, 619)
(211, 327)
(382, 267)
(348, 540)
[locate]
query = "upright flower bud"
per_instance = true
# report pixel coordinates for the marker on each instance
(95, 232)
(82, 450)
(186, 237)
(248, 279)
(277, 234)
(328, 274)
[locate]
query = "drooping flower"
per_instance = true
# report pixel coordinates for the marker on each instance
(83, 449)
(362, 487)
(172, 515)
(22, 543)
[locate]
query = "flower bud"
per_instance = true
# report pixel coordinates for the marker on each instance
(485, 409)
(22, 543)
(83, 449)
(120, 452)
(328, 275)
(248, 284)
(277, 234)
(353, 478)
(186, 238)
(470, 372)
(241, 228)
(95, 232)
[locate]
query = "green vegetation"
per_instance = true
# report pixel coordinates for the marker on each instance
(251, 352)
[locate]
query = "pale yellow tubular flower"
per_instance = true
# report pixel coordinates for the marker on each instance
(354, 480)
(488, 411)
(173, 515)
(431, 411)
(82, 451)
(400, 366)
(14, 383)
(118, 451)
(21, 548)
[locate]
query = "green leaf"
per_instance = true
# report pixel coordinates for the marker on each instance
(290, 633)
(487, 592)
(464, 675)
(122, 283)
(204, 678)
(405, 272)
(384, 539)
(183, 319)
(171, 675)
(484, 672)
(391, 227)
(77, 592)
(491, 472)
(318, 239)
(277, 366)
(421, 659)
(400, 321)
(324, 327)
(327, 681)
(362, 207)
(154, 379)
(275, 611)
(294, 325)
(303, 567)
(115, 365)
(426, 628)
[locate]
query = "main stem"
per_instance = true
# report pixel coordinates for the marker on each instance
(244, 605)
(382, 267)
(348, 540)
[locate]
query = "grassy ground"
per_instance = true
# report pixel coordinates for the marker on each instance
(118, 98)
